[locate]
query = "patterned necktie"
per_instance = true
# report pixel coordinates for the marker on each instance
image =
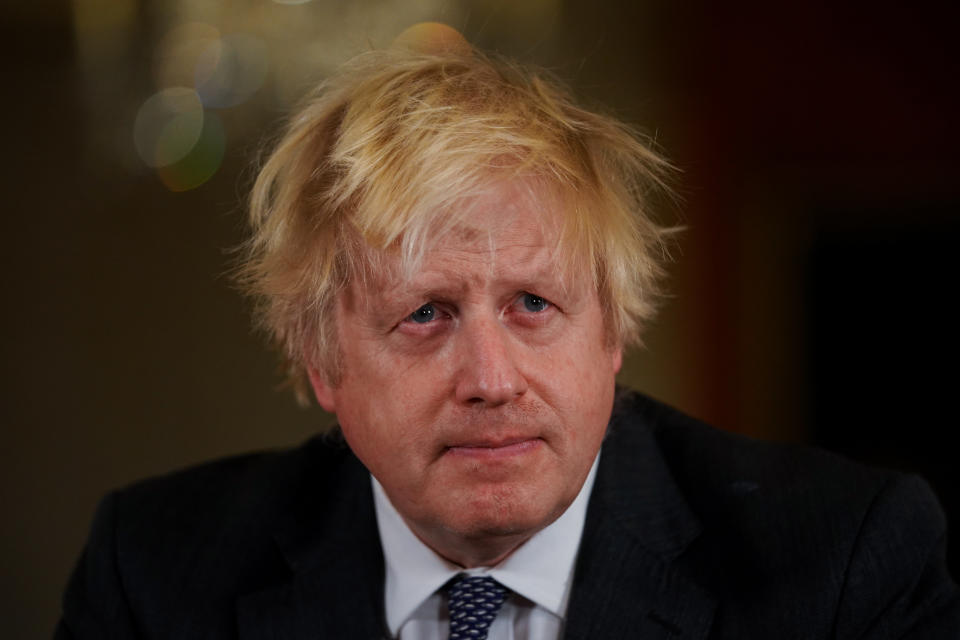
(473, 602)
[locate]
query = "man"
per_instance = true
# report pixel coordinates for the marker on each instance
(452, 255)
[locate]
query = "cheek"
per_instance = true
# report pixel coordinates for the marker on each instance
(375, 440)
(362, 420)
(586, 361)
(385, 418)
(586, 382)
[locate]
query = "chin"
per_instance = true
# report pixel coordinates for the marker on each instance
(502, 516)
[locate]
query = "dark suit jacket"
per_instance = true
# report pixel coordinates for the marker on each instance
(690, 533)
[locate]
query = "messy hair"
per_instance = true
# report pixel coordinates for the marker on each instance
(391, 151)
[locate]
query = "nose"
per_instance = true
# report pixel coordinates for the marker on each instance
(488, 373)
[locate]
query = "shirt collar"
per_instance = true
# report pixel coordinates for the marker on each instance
(540, 570)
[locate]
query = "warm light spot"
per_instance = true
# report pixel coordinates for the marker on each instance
(432, 37)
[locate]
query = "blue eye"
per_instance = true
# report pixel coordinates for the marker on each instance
(424, 314)
(534, 303)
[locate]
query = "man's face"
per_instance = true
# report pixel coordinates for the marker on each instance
(477, 391)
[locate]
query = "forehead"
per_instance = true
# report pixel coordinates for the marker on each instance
(510, 229)
(510, 207)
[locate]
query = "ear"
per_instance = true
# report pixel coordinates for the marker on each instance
(323, 390)
(617, 359)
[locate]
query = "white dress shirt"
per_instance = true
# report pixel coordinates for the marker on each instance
(539, 573)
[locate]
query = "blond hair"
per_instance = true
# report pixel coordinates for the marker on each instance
(393, 149)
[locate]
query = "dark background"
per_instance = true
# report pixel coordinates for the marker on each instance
(813, 292)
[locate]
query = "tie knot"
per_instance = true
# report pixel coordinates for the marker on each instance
(474, 602)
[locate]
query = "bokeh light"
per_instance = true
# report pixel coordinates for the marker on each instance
(177, 53)
(168, 125)
(214, 56)
(230, 70)
(203, 160)
(175, 132)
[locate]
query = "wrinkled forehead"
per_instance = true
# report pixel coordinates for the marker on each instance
(512, 227)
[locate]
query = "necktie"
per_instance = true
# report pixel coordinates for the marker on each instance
(473, 602)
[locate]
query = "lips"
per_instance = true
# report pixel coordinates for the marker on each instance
(495, 448)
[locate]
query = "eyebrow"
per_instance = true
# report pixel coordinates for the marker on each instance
(395, 293)
(546, 279)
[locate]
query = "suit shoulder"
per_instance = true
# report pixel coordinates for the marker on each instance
(703, 458)
(172, 526)
(778, 522)
(173, 553)
(756, 499)
(179, 548)
(217, 488)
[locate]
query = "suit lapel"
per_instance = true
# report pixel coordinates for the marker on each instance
(628, 582)
(332, 547)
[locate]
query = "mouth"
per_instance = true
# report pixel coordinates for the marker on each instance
(495, 449)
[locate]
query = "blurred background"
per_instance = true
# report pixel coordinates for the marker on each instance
(811, 293)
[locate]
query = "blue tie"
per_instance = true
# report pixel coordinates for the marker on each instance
(473, 602)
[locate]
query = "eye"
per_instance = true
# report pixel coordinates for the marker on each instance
(424, 314)
(534, 303)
